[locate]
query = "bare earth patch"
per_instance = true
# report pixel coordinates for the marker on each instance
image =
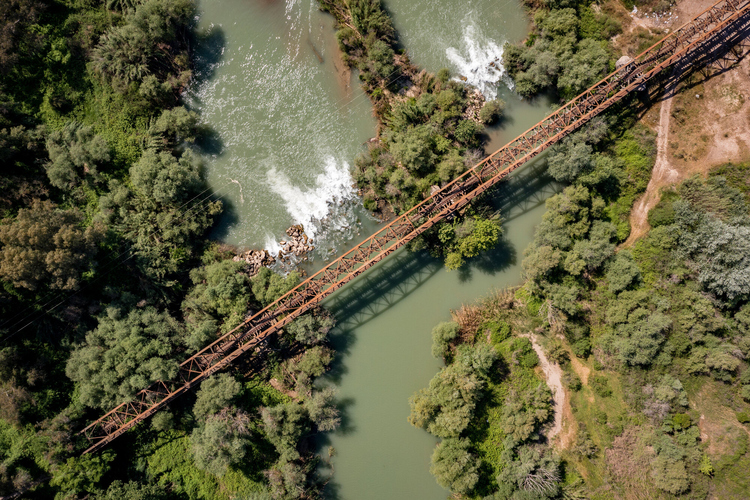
(704, 124)
(561, 406)
(718, 423)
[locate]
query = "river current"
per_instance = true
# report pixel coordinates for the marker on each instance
(289, 121)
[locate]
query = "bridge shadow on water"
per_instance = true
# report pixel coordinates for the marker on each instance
(384, 286)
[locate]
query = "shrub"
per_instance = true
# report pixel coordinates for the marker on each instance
(743, 417)
(442, 335)
(491, 111)
(498, 330)
(571, 381)
(600, 385)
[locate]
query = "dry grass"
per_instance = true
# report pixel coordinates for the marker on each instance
(628, 462)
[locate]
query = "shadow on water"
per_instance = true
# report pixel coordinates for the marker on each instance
(374, 293)
(225, 220)
(209, 51)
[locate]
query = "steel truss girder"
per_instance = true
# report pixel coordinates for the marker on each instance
(693, 44)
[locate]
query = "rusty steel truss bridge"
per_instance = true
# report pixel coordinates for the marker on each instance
(715, 39)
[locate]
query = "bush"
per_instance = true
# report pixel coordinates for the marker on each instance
(600, 385)
(572, 381)
(454, 467)
(743, 417)
(498, 330)
(442, 335)
(491, 111)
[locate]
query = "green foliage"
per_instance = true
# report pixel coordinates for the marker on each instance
(322, 410)
(720, 250)
(215, 394)
(639, 326)
(454, 467)
(175, 126)
(44, 245)
(283, 425)
(219, 442)
(124, 354)
(446, 406)
(623, 272)
(81, 475)
(499, 331)
(75, 152)
(530, 474)
(743, 417)
(160, 216)
(311, 329)
(524, 412)
(705, 466)
(220, 296)
(491, 111)
(127, 54)
(468, 238)
(442, 335)
(131, 490)
(268, 286)
(600, 385)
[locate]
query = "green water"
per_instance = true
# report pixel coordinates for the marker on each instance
(287, 120)
(287, 127)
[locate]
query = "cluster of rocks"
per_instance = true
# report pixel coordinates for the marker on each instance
(475, 101)
(255, 259)
(298, 245)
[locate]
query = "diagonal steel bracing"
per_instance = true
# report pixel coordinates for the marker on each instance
(697, 44)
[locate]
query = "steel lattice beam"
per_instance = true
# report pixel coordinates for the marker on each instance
(696, 44)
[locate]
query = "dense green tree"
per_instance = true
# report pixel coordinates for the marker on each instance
(160, 216)
(124, 354)
(81, 475)
(221, 295)
(414, 148)
(47, 245)
(454, 466)
(220, 442)
(721, 251)
(283, 425)
(132, 490)
(75, 153)
(268, 286)
(175, 126)
(524, 412)
(584, 68)
(639, 328)
(531, 473)
(622, 272)
(442, 335)
(491, 111)
(446, 406)
(311, 329)
(215, 394)
(123, 56)
(322, 410)
(16, 19)
(368, 17)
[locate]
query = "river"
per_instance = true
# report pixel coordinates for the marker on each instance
(287, 128)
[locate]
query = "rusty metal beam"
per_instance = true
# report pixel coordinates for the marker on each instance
(695, 44)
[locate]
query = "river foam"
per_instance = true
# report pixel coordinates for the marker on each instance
(328, 209)
(480, 60)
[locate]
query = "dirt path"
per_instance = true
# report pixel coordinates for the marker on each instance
(663, 174)
(553, 376)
